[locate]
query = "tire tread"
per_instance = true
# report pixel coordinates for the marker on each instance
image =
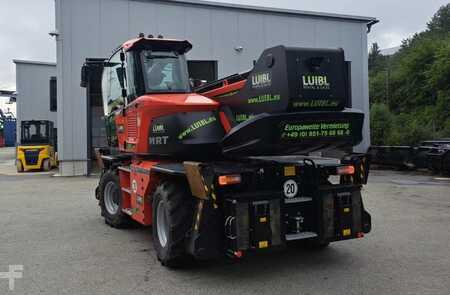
(119, 220)
(180, 209)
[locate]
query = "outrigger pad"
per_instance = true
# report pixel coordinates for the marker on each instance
(294, 133)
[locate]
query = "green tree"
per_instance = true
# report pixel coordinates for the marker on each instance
(410, 91)
(381, 121)
(374, 56)
(440, 23)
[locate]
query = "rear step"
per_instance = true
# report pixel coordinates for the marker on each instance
(301, 236)
(298, 200)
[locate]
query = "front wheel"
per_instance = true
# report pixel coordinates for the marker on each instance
(172, 218)
(46, 165)
(19, 166)
(110, 200)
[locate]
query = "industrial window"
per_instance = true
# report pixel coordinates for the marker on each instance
(53, 99)
(203, 69)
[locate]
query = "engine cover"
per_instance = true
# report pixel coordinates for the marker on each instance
(191, 135)
(288, 79)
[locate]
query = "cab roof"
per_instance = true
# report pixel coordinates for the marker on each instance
(158, 44)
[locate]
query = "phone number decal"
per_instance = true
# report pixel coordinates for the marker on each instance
(312, 130)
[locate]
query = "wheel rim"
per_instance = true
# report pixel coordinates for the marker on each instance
(161, 224)
(111, 197)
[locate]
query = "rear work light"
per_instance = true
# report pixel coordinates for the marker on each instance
(229, 179)
(345, 170)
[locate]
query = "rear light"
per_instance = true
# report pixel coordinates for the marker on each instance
(229, 179)
(238, 254)
(345, 170)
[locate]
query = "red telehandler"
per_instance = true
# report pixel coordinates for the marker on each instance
(226, 167)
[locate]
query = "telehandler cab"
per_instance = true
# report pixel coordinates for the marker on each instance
(227, 167)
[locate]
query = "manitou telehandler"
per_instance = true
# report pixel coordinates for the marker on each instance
(227, 167)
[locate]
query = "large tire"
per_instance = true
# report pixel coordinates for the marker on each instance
(173, 209)
(19, 166)
(110, 200)
(46, 165)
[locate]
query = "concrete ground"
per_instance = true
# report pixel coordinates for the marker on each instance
(52, 227)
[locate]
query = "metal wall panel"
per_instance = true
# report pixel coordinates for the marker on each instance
(113, 23)
(302, 32)
(144, 18)
(328, 34)
(171, 20)
(224, 27)
(251, 37)
(198, 29)
(276, 30)
(92, 28)
(364, 99)
(33, 92)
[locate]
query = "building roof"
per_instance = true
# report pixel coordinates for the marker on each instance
(7, 93)
(33, 62)
(365, 19)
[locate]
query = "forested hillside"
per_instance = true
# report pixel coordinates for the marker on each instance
(410, 90)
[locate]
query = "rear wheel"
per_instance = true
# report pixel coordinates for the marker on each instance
(110, 200)
(19, 166)
(46, 165)
(173, 209)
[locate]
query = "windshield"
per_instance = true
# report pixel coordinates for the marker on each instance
(165, 71)
(35, 133)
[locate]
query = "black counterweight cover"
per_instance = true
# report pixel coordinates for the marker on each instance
(294, 133)
(190, 135)
(287, 79)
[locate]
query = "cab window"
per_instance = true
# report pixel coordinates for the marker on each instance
(165, 71)
(132, 90)
(35, 132)
(111, 88)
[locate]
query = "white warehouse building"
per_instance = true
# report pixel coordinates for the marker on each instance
(35, 101)
(227, 38)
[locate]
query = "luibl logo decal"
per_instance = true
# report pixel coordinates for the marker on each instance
(260, 80)
(158, 128)
(264, 98)
(315, 82)
(196, 125)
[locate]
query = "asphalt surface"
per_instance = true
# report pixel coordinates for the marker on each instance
(52, 226)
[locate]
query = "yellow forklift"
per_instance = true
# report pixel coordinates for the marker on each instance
(37, 148)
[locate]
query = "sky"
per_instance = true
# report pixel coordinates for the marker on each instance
(24, 24)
